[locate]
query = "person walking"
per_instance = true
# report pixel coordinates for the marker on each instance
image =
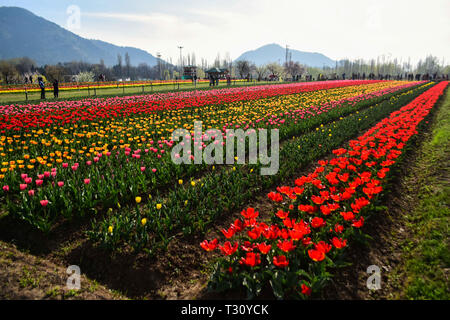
(42, 86)
(55, 88)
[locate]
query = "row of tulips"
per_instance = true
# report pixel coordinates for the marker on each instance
(46, 114)
(193, 207)
(123, 173)
(314, 220)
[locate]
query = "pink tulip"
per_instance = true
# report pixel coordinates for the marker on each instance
(87, 181)
(23, 186)
(44, 203)
(65, 165)
(31, 193)
(153, 170)
(28, 180)
(46, 174)
(39, 182)
(60, 183)
(6, 188)
(23, 176)
(74, 168)
(88, 162)
(142, 169)
(96, 159)
(41, 176)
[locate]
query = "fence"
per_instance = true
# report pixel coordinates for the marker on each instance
(124, 88)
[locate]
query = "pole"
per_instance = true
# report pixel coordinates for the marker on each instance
(181, 58)
(159, 65)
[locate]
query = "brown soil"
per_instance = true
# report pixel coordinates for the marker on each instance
(24, 276)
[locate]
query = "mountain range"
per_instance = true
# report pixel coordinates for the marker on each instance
(24, 34)
(276, 53)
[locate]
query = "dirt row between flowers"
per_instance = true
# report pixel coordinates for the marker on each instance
(25, 276)
(180, 273)
(396, 237)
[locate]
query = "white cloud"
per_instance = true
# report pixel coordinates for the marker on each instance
(352, 28)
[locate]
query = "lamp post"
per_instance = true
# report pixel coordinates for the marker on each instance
(181, 59)
(159, 65)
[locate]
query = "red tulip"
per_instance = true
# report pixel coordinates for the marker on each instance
(280, 261)
(306, 290)
(227, 249)
(251, 259)
(209, 246)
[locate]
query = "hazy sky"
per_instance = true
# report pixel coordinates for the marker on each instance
(338, 29)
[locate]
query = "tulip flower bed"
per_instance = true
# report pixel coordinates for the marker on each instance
(81, 164)
(191, 209)
(317, 218)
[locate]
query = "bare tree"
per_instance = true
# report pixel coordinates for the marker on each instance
(275, 69)
(293, 68)
(127, 64)
(261, 71)
(8, 71)
(23, 65)
(54, 73)
(243, 67)
(217, 61)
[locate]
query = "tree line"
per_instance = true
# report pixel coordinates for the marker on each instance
(25, 70)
